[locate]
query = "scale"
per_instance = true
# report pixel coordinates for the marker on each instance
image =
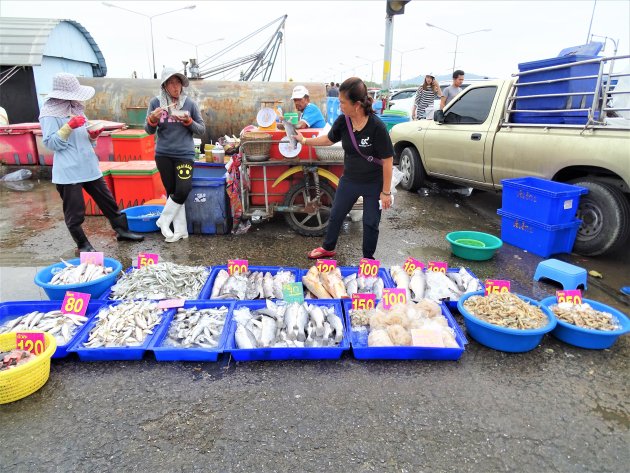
(268, 114)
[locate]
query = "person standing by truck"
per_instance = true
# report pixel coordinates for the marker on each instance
(450, 92)
(426, 94)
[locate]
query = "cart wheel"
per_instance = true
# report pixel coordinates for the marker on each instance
(309, 224)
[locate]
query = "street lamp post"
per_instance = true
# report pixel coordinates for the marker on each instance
(150, 17)
(371, 66)
(485, 30)
(196, 46)
(402, 53)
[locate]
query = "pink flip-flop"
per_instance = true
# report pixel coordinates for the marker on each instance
(320, 252)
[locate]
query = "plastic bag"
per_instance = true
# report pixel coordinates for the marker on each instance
(19, 175)
(397, 176)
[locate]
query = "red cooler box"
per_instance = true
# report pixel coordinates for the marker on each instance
(133, 145)
(90, 206)
(307, 152)
(17, 143)
(136, 182)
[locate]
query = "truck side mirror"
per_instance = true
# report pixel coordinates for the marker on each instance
(438, 116)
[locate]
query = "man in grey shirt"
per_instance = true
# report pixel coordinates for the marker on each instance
(452, 90)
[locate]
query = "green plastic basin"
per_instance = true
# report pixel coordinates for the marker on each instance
(476, 246)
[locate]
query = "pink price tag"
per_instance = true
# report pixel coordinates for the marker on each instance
(33, 342)
(237, 266)
(92, 257)
(368, 268)
(393, 296)
(171, 303)
(411, 264)
(438, 266)
(326, 265)
(145, 259)
(363, 301)
(496, 286)
(75, 303)
(574, 296)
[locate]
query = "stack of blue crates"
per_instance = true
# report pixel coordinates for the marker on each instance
(207, 205)
(538, 215)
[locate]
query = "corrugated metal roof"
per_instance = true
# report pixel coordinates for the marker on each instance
(23, 40)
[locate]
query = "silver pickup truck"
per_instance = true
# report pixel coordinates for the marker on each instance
(488, 133)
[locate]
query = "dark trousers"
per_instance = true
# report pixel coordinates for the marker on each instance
(347, 194)
(74, 206)
(176, 174)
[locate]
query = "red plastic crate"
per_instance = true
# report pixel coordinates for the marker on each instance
(307, 152)
(17, 144)
(90, 206)
(137, 182)
(44, 154)
(133, 145)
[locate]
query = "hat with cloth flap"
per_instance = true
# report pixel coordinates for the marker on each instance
(66, 87)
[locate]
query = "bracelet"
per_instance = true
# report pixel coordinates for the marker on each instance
(386, 193)
(151, 122)
(303, 140)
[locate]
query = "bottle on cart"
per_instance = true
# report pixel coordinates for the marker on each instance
(279, 114)
(218, 153)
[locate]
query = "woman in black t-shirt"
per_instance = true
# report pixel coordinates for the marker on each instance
(367, 166)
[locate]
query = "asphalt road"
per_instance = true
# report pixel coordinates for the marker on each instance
(556, 408)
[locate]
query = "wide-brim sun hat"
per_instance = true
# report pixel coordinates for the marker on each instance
(169, 72)
(66, 87)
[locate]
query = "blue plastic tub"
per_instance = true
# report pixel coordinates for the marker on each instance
(13, 310)
(362, 351)
(110, 353)
(203, 294)
(94, 288)
(171, 353)
(203, 170)
(272, 269)
(207, 209)
(266, 354)
(538, 238)
(585, 338)
(345, 271)
(137, 220)
(541, 200)
(501, 338)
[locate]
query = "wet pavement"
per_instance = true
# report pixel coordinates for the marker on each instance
(556, 408)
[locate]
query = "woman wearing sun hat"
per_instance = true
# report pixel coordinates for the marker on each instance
(175, 118)
(75, 164)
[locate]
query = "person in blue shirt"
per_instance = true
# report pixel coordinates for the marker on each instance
(75, 164)
(310, 116)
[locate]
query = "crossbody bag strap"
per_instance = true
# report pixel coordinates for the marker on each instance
(370, 159)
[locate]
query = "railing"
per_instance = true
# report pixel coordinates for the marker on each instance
(593, 106)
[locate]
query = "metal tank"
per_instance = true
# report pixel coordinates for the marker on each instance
(226, 106)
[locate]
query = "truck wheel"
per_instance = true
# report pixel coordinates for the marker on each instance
(605, 215)
(411, 167)
(314, 223)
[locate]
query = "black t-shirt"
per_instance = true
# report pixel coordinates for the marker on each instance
(372, 140)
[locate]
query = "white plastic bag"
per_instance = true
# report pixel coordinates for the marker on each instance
(19, 175)
(397, 176)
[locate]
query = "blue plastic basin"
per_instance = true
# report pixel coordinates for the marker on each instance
(94, 288)
(137, 220)
(587, 338)
(501, 338)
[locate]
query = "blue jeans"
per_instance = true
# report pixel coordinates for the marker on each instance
(347, 194)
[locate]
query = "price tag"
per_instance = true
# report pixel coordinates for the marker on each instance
(438, 266)
(237, 266)
(33, 342)
(411, 264)
(145, 259)
(75, 303)
(573, 296)
(363, 301)
(368, 268)
(293, 292)
(496, 286)
(92, 257)
(171, 303)
(326, 265)
(394, 296)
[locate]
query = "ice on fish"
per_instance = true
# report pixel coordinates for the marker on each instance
(61, 326)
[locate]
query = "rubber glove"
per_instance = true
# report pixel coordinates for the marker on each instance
(74, 122)
(95, 133)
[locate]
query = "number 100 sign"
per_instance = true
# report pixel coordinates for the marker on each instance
(393, 296)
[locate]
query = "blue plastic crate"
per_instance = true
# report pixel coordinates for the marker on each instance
(12, 310)
(203, 294)
(172, 353)
(345, 271)
(538, 238)
(361, 351)
(207, 209)
(110, 353)
(272, 269)
(541, 200)
(266, 354)
(333, 109)
(203, 170)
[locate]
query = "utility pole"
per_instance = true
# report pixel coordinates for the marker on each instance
(393, 7)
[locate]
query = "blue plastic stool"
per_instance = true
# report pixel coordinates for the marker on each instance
(568, 275)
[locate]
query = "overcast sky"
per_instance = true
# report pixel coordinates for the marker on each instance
(323, 38)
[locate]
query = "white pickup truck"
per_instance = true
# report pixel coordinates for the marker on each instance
(474, 142)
